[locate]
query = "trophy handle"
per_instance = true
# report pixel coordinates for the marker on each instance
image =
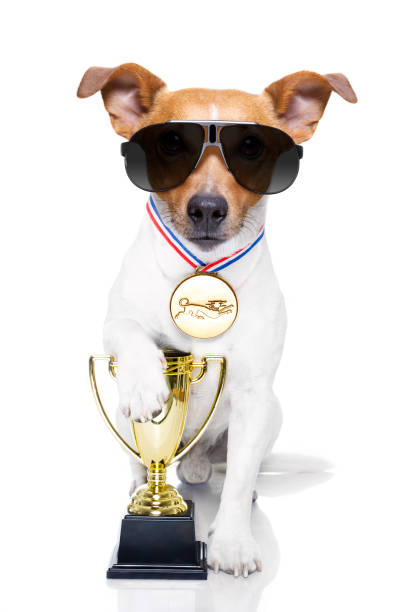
(203, 364)
(112, 365)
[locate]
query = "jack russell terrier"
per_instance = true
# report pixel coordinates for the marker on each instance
(208, 158)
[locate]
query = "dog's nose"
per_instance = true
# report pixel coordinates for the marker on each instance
(207, 212)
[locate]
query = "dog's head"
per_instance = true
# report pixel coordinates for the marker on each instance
(136, 98)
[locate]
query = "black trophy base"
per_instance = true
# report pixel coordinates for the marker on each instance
(165, 571)
(160, 547)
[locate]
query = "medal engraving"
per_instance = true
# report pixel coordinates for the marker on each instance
(203, 306)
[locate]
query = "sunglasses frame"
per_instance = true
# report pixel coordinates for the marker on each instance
(210, 141)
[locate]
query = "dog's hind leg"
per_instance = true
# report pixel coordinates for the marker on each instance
(195, 467)
(218, 452)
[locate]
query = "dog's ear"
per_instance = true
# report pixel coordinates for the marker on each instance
(300, 98)
(128, 92)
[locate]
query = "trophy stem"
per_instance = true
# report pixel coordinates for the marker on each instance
(157, 498)
(156, 477)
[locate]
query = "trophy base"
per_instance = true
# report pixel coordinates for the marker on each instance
(160, 547)
(168, 571)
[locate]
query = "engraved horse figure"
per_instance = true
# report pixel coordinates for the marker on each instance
(212, 309)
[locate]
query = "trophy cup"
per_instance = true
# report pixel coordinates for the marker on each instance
(157, 538)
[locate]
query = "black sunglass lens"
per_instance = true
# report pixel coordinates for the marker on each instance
(171, 143)
(262, 158)
(160, 157)
(251, 147)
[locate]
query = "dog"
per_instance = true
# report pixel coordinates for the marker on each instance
(138, 325)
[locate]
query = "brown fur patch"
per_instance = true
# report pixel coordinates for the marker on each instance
(300, 98)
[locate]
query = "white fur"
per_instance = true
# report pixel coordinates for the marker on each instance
(138, 324)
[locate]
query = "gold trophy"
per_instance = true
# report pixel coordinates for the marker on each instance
(157, 537)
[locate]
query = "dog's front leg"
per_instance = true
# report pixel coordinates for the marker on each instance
(142, 387)
(254, 425)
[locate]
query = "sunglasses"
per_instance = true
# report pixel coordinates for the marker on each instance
(261, 158)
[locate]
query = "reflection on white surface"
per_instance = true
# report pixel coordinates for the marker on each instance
(221, 592)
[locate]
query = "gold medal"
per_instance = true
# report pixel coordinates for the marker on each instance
(203, 305)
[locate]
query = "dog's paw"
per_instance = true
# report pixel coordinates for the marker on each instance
(194, 469)
(234, 553)
(143, 391)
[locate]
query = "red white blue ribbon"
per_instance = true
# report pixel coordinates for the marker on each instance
(186, 254)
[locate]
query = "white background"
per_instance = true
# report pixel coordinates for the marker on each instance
(338, 242)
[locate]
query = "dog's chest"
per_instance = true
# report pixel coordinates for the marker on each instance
(202, 396)
(203, 393)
